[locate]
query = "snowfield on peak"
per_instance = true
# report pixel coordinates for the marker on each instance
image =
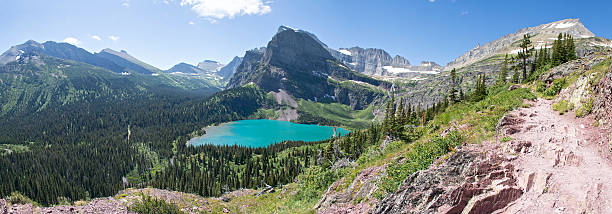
(345, 52)
(395, 70)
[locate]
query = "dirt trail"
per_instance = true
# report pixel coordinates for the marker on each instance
(566, 168)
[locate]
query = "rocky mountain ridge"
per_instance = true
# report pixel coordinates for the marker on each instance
(377, 62)
(296, 62)
(542, 36)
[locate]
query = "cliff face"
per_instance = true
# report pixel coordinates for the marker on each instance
(377, 62)
(228, 70)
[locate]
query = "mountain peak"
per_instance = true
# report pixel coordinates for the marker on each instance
(210, 65)
(542, 36)
(296, 47)
(284, 28)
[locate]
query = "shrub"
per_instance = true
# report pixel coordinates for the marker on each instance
(314, 180)
(150, 205)
(506, 139)
(18, 198)
(562, 106)
(556, 87)
(540, 86)
(585, 109)
(418, 157)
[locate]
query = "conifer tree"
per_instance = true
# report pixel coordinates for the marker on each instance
(558, 50)
(516, 76)
(525, 53)
(453, 86)
(503, 73)
(570, 48)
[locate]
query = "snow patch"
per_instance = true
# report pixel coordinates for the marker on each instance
(345, 52)
(561, 25)
(564, 25)
(154, 75)
(418, 78)
(181, 73)
(395, 70)
(344, 66)
(125, 73)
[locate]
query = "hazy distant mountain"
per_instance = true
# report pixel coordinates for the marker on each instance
(228, 70)
(55, 74)
(125, 60)
(377, 62)
(210, 65)
(184, 68)
(59, 50)
(298, 63)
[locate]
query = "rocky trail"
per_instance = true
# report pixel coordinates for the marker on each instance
(563, 163)
(541, 162)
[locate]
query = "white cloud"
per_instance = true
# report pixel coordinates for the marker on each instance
(432, 1)
(114, 38)
(96, 37)
(125, 3)
(192, 23)
(72, 41)
(219, 9)
(464, 13)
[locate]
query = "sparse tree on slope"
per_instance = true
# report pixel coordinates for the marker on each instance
(503, 73)
(525, 53)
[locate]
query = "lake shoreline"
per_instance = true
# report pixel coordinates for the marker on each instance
(263, 132)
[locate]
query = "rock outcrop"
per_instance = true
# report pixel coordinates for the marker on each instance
(602, 105)
(466, 183)
(356, 197)
(588, 61)
(3, 206)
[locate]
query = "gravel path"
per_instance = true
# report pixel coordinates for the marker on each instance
(566, 169)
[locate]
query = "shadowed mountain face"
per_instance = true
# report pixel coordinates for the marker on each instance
(228, 70)
(297, 62)
(289, 48)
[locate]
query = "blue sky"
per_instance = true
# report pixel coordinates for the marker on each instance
(166, 32)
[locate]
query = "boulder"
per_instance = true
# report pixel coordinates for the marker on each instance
(3, 206)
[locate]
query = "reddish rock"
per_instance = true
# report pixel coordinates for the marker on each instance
(496, 201)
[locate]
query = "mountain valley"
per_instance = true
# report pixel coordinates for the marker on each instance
(501, 129)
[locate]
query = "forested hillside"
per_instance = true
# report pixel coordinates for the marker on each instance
(84, 149)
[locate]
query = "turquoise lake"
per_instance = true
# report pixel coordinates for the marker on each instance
(259, 133)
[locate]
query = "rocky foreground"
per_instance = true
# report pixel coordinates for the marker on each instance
(552, 164)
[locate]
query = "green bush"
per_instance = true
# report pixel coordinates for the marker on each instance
(18, 198)
(562, 107)
(150, 205)
(506, 139)
(314, 180)
(556, 87)
(585, 109)
(418, 157)
(540, 86)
